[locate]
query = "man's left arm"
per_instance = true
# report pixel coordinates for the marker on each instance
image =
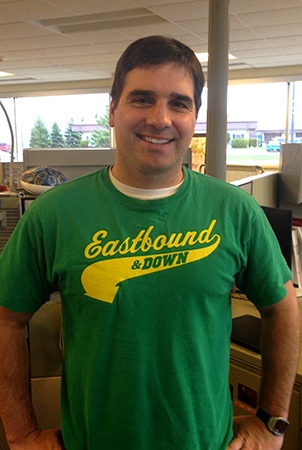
(280, 355)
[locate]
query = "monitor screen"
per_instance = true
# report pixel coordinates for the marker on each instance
(281, 223)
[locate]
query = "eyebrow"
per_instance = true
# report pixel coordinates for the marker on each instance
(185, 98)
(136, 92)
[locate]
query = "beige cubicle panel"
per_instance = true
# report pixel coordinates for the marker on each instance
(45, 352)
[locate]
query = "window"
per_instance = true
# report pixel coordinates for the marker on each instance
(24, 111)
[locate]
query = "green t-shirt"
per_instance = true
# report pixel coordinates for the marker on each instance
(145, 287)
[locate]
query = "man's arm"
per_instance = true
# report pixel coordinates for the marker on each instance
(15, 406)
(280, 355)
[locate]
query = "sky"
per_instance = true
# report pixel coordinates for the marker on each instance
(264, 103)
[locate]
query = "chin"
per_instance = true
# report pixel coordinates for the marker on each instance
(161, 167)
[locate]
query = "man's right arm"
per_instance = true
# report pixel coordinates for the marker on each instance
(16, 410)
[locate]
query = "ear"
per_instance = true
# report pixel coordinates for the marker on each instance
(111, 114)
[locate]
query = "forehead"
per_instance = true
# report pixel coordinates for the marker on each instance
(162, 78)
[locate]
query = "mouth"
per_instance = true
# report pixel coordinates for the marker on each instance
(153, 140)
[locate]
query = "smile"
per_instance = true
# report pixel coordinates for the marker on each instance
(155, 140)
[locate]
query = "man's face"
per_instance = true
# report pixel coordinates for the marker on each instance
(154, 122)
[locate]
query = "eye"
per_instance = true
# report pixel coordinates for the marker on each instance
(141, 101)
(180, 105)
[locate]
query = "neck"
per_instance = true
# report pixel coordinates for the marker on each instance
(147, 180)
(143, 194)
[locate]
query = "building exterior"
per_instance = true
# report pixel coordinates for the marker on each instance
(86, 129)
(241, 129)
(249, 130)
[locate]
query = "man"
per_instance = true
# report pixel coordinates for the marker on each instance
(144, 255)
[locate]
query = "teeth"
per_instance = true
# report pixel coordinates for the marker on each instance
(156, 141)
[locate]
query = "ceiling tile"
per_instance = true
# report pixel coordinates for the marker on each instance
(262, 33)
(253, 44)
(168, 29)
(27, 10)
(247, 6)
(60, 51)
(32, 43)
(204, 4)
(278, 31)
(182, 11)
(94, 6)
(21, 30)
(243, 35)
(267, 18)
(285, 40)
(194, 26)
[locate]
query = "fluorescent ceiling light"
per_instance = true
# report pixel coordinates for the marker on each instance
(203, 57)
(102, 21)
(6, 74)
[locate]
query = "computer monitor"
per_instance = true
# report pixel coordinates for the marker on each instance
(281, 223)
(246, 329)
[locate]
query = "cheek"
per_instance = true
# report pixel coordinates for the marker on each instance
(187, 130)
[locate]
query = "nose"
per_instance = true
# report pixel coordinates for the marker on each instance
(159, 116)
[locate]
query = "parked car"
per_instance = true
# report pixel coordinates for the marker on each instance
(274, 145)
(4, 147)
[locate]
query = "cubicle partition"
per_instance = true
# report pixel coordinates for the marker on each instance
(75, 162)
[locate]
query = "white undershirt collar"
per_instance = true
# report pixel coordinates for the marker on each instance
(143, 194)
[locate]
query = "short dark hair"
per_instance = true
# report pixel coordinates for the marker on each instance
(155, 50)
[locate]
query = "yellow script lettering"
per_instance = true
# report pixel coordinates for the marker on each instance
(144, 242)
(94, 249)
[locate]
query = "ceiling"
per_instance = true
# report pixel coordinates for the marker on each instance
(72, 41)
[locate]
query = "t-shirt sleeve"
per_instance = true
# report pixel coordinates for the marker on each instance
(24, 280)
(265, 272)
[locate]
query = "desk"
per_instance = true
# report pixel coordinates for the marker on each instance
(245, 379)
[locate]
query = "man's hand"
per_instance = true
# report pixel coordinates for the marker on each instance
(41, 440)
(251, 434)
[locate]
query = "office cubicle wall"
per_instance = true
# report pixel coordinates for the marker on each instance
(75, 162)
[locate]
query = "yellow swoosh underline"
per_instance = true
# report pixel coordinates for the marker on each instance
(101, 280)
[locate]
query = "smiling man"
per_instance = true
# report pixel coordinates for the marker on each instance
(154, 122)
(145, 265)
